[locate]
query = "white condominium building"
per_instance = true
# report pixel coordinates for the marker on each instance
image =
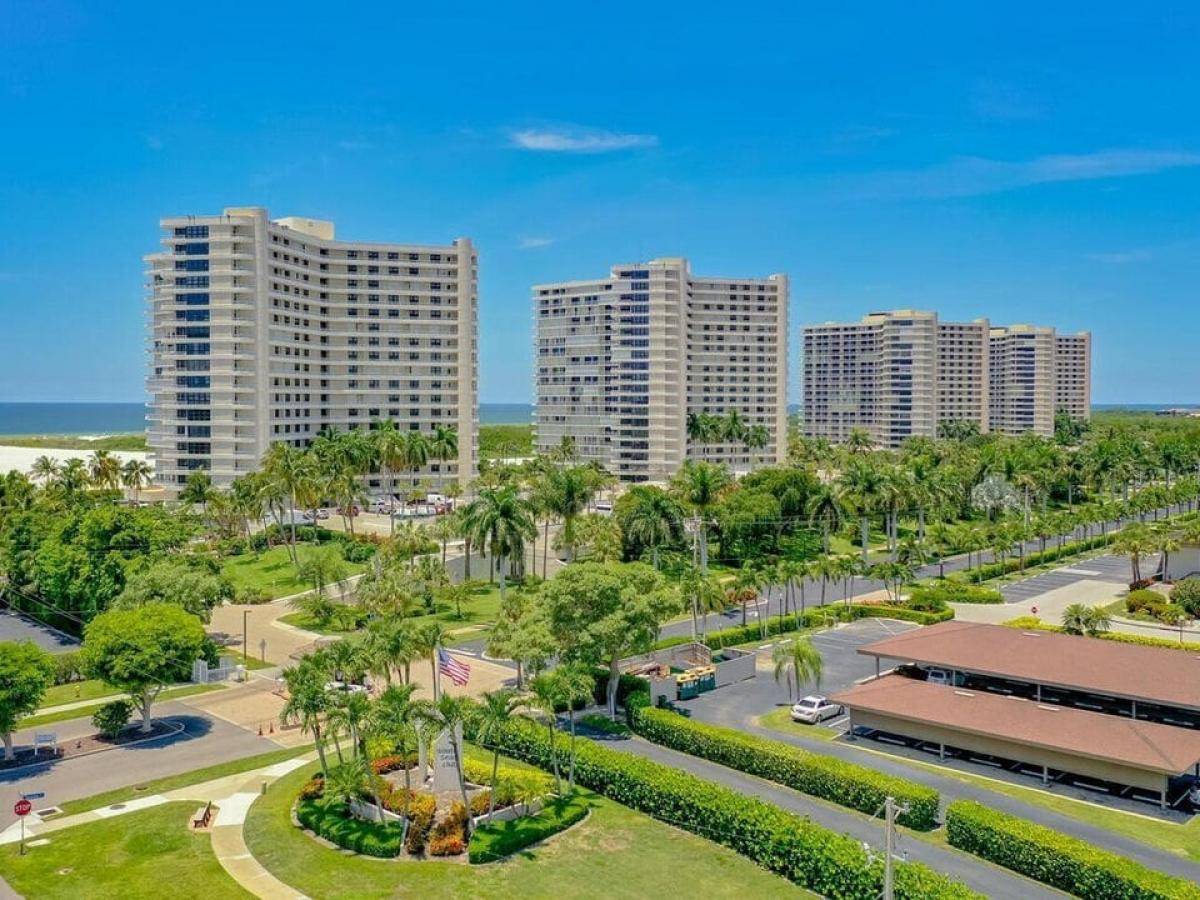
(904, 373)
(623, 361)
(1022, 375)
(268, 330)
(1073, 374)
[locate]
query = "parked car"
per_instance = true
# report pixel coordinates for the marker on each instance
(814, 709)
(350, 511)
(383, 506)
(603, 507)
(1194, 796)
(944, 676)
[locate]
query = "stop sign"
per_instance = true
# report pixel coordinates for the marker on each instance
(22, 807)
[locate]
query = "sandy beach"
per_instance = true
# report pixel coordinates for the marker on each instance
(21, 458)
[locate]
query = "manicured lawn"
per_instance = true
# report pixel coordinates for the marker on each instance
(272, 571)
(479, 612)
(144, 854)
(76, 691)
(82, 712)
(616, 853)
(184, 779)
(781, 720)
(1169, 836)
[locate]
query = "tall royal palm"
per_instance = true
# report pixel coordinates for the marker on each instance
(104, 469)
(443, 446)
(700, 485)
(288, 468)
(135, 475)
(390, 446)
(565, 493)
(500, 520)
(860, 486)
(416, 455)
(825, 505)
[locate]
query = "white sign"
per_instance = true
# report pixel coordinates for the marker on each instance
(445, 767)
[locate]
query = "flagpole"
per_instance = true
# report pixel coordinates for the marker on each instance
(437, 674)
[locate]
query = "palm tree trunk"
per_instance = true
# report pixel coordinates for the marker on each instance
(571, 767)
(546, 550)
(865, 528)
(495, 775)
(462, 786)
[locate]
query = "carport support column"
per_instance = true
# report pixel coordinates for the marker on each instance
(1162, 796)
(1045, 775)
(1133, 707)
(1039, 693)
(941, 751)
(877, 668)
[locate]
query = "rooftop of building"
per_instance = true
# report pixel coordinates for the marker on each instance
(1128, 671)
(1130, 742)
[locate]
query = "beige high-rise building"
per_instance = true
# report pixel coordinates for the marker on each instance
(1022, 379)
(904, 373)
(622, 361)
(268, 330)
(1073, 374)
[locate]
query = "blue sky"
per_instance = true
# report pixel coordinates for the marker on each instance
(1021, 161)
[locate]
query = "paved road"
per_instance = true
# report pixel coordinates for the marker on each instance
(16, 627)
(1113, 569)
(835, 592)
(738, 705)
(205, 741)
(982, 876)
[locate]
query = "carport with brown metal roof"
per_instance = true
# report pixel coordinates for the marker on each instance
(1142, 755)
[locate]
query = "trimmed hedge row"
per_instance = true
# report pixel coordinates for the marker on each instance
(1034, 623)
(1035, 558)
(954, 592)
(334, 823)
(490, 842)
(813, 618)
(827, 777)
(789, 845)
(1057, 859)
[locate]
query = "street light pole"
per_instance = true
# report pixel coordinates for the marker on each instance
(890, 809)
(245, 638)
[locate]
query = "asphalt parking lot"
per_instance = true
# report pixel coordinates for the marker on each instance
(1102, 568)
(738, 703)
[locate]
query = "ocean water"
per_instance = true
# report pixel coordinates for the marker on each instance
(125, 418)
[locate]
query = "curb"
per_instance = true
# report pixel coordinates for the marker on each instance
(179, 727)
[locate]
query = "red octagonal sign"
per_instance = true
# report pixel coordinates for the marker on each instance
(22, 807)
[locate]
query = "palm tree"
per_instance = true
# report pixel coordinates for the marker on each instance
(1135, 541)
(858, 441)
(197, 489)
(416, 453)
(390, 446)
(135, 475)
(1165, 543)
(1079, 618)
(449, 713)
(399, 717)
(654, 520)
(323, 567)
(307, 703)
(894, 576)
(44, 469)
(802, 660)
(288, 468)
(576, 684)
(825, 506)
(429, 638)
(501, 521)
(700, 485)
(565, 493)
(104, 469)
(443, 446)
(496, 715)
(860, 485)
(547, 695)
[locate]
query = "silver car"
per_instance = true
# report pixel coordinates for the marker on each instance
(814, 709)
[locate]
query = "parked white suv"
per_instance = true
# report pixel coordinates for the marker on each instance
(814, 709)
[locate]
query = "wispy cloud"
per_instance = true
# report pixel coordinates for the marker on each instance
(579, 140)
(973, 175)
(154, 142)
(532, 243)
(349, 144)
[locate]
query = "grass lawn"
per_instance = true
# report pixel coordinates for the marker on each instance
(76, 691)
(184, 779)
(781, 720)
(616, 852)
(479, 612)
(272, 571)
(141, 854)
(1183, 840)
(81, 712)
(134, 442)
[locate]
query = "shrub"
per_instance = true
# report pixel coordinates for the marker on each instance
(334, 822)
(922, 600)
(790, 845)
(313, 788)
(1056, 859)
(384, 764)
(1143, 599)
(954, 592)
(1034, 623)
(421, 809)
(111, 718)
(357, 552)
(827, 777)
(604, 723)
(66, 667)
(1186, 594)
(449, 837)
(496, 840)
(251, 596)
(448, 845)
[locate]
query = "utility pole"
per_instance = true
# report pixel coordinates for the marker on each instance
(890, 809)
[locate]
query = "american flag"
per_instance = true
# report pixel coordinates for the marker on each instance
(458, 671)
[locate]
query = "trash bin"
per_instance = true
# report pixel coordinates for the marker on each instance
(688, 685)
(706, 678)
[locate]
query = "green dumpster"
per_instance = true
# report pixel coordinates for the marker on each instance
(688, 685)
(707, 677)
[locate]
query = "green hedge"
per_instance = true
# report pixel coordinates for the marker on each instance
(334, 823)
(816, 617)
(955, 592)
(1028, 623)
(792, 846)
(827, 777)
(1036, 558)
(1056, 859)
(500, 839)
